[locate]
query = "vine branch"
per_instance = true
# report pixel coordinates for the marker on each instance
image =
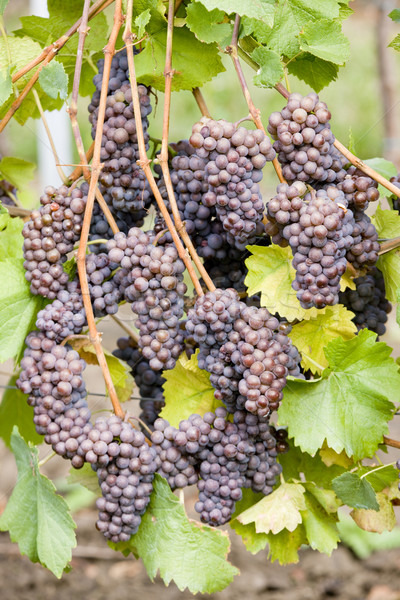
(95, 339)
(390, 442)
(201, 103)
(163, 158)
(389, 245)
(232, 50)
(144, 161)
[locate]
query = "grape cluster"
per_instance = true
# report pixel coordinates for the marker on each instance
(64, 316)
(359, 189)
(100, 229)
(304, 141)
(148, 381)
(368, 302)
(395, 199)
(50, 235)
(364, 249)
(105, 293)
(234, 159)
(124, 184)
(153, 281)
(6, 188)
(125, 466)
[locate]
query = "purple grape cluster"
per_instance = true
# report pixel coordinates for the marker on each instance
(359, 189)
(148, 381)
(50, 235)
(105, 293)
(153, 280)
(368, 302)
(64, 316)
(364, 250)
(304, 141)
(395, 199)
(100, 229)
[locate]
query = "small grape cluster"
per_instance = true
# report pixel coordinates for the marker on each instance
(234, 157)
(148, 381)
(153, 280)
(304, 141)
(50, 235)
(105, 293)
(359, 189)
(395, 199)
(364, 249)
(368, 302)
(64, 316)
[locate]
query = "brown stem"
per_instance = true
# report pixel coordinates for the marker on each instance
(163, 158)
(389, 245)
(144, 161)
(16, 211)
(201, 103)
(232, 50)
(58, 44)
(390, 442)
(96, 168)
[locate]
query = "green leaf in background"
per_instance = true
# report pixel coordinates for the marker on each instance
(315, 72)
(18, 308)
(253, 541)
(353, 392)
(188, 553)
(5, 84)
(355, 492)
(320, 526)
(387, 223)
(395, 43)
(38, 518)
(271, 69)
(10, 237)
(295, 463)
(85, 477)
(207, 26)
(54, 80)
(257, 9)
(14, 410)
(364, 543)
(280, 510)
(398, 306)
(119, 370)
(141, 22)
(188, 51)
(187, 391)
(324, 39)
(385, 168)
(379, 520)
(284, 545)
(3, 4)
(395, 15)
(17, 171)
(310, 337)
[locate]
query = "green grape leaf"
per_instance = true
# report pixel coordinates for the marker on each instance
(315, 72)
(380, 477)
(5, 84)
(271, 273)
(3, 4)
(280, 510)
(10, 236)
(295, 462)
(384, 167)
(183, 551)
(352, 393)
(395, 15)
(84, 476)
(17, 171)
(310, 337)
(187, 391)
(18, 308)
(54, 80)
(188, 51)
(141, 21)
(271, 69)
(36, 516)
(119, 370)
(382, 519)
(387, 223)
(14, 410)
(398, 306)
(207, 26)
(253, 541)
(320, 526)
(257, 9)
(326, 498)
(284, 546)
(257, 30)
(329, 457)
(324, 39)
(355, 492)
(395, 43)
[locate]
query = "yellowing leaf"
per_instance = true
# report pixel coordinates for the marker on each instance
(280, 510)
(310, 337)
(378, 521)
(330, 457)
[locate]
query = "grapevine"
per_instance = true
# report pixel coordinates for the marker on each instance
(241, 310)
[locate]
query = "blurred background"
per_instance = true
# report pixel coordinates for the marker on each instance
(365, 106)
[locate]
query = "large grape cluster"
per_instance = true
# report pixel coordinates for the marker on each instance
(234, 159)
(368, 302)
(154, 287)
(148, 381)
(304, 141)
(50, 235)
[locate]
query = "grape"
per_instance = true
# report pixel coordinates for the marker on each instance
(359, 189)
(100, 229)
(304, 141)
(364, 249)
(153, 280)
(368, 302)
(65, 316)
(50, 235)
(395, 199)
(105, 292)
